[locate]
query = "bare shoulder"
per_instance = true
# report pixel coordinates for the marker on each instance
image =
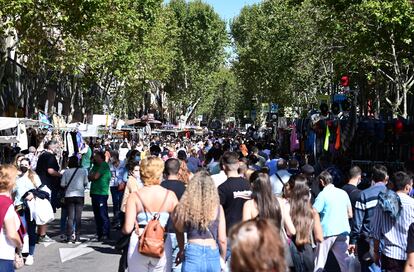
(249, 204)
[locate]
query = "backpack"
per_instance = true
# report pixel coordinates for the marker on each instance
(151, 242)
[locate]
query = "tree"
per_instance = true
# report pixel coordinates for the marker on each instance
(200, 52)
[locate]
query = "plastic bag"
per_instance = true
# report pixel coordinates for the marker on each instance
(353, 264)
(42, 211)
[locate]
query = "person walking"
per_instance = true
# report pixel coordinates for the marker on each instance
(263, 203)
(26, 181)
(391, 224)
(334, 207)
(256, 246)
(234, 192)
(307, 224)
(280, 178)
(141, 207)
(75, 180)
(133, 184)
(10, 240)
(117, 177)
(352, 190)
(201, 216)
(409, 266)
(172, 182)
(48, 171)
(361, 239)
(100, 177)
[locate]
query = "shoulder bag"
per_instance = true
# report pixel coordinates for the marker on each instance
(62, 193)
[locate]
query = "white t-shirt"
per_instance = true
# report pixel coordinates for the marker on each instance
(219, 178)
(122, 153)
(7, 247)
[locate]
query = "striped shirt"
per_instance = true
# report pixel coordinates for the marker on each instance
(394, 232)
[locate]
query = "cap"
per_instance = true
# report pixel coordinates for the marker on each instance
(307, 169)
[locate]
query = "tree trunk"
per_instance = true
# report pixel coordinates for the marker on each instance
(405, 91)
(188, 114)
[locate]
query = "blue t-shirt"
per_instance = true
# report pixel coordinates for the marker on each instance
(332, 204)
(272, 164)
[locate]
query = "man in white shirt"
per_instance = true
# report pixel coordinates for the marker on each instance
(220, 177)
(280, 178)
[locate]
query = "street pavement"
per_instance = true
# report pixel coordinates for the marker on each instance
(87, 256)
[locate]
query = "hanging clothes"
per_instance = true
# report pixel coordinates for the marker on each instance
(338, 136)
(70, 146)
(294, 142)
(23, 142)
(327, 135)
(75, 143)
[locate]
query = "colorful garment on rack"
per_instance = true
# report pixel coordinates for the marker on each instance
(326, 142)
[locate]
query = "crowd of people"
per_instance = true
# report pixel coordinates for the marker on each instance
(214, 204)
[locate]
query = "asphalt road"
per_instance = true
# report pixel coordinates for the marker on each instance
(88, 256)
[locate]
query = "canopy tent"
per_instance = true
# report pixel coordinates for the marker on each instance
(7, 123)
(8, 140)
(87, 130)
(11, 122)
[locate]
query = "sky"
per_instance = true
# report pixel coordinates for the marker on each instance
(228, 9)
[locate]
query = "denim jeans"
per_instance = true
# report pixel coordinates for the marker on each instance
(364, 246)
(201, 258)
(74, 207)
(63, 219)
(171, 251)
(6, 265)
(100, 212)
(116, 202)
(30, 227)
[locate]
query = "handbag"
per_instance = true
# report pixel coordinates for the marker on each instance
(18, 257)
(62, 193)
(18, 260)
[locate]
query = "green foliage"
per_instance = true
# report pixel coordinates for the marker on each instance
(289, 51)
(200, 47)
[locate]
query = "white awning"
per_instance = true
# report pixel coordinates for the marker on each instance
(8, 122)
(8, 140)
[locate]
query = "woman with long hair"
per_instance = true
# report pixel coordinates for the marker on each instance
(184, 174)
(10, 240)
(266, 205)
(133, 184)
(256, 245)
(26, 181)
(201, 216)
(306, 221)
(141, 207)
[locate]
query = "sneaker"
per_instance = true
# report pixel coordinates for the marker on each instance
(62, 237)
(95, 238)
(76, 241)
(29, 260)
(73, 236)
(103, 238)
(45, 239)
